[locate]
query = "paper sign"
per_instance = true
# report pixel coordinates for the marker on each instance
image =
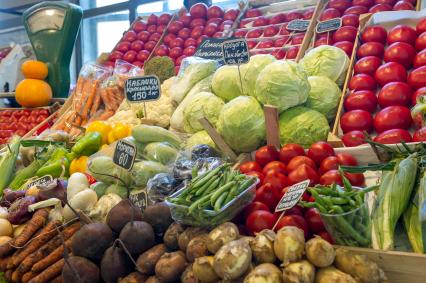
(140, 199)
(41, 182)
(329, 25)
(298, 25)
(124, 154)
(235, 52)
(211, 48)
(140, 89)
(292, 196)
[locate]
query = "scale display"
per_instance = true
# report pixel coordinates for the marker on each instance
(47, 19)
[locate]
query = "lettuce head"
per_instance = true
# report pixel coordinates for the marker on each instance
(201, 137)
(226, 82)
(251, 70)
(324, 96)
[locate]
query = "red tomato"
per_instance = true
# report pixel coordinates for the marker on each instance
(400, 52)
(290, 150)
(367, 65)
(254, 206)
(371, 49)
(418, 94)
(319, 151)
(259, 220)
(393, 136)
(277, 180)
(346, 159)
(314, 221)
(417, 77)
(268, 195)
(346, 46)
(276, 166)
(326, 236)
(356, 120)
(293, 220)
(299, 160)
(90, 178)
(350, 20)
(395, 93)
(356, 179)
(361, 100)
(420, 59)
(374, 33)
(362, 82)
(250, 166)
(390, 72)
(421, 26)
(295, 210)
(257, 174)
(392, 117)
(302, 173)
(329, 163)
(402, 6)
(266, 154)
(357, 10)
(402, 33)
(345, 33)
(420, 135)
(331, 177)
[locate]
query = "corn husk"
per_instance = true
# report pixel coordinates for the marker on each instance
(395, 191)
(8, 162)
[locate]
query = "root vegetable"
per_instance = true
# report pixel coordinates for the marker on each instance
(172, 235)
(92, 240)
(147, 261)
(170, 266)
(232, 260)
(52, 257)
(115, 264)
(263, 247)
(121, 214)
(266, 272)
(332, 274)
(188, 275)
(203, 269)
(158, 215)
(4, 239)
(299, 272)
(197, 247)
(222, 235)
(319, 252)
(18, 230)
(79, 269)
(137, 236)
(358, 266)
(49, 273)
(289, 244)
(187, 236)
(5, 227)
(152, 279)
(134, 277)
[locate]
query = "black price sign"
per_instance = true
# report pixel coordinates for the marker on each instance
(329, 25)
(146, 88)
(140, 199)
(235, 52)
(211, 48)
(124, 155)
(41, 182)
(292, 196)
(298, 25)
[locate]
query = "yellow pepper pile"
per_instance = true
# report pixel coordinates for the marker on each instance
(109, 133)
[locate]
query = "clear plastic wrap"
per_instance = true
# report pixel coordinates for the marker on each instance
(161, 186)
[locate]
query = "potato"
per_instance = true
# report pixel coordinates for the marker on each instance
(4, 239)
(188, 275)
(187, 236)
(332, 274)
(266, 272)
(262, 247)
(289, 244)
(197, 247)
(232, 260)
(5, 228)
(147, 261)
(299, 272)
(170, 267)
(134, 277)
(203, 269)
(18, 230)
(319, 252)
(172, 235)
(152, 279)
(358, 266)
(222, 235)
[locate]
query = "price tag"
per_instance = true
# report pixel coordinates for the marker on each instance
(329, 25)
(211, 48)
(235, 52)
(298, 25)
(124, 155)
(139, 198)
(41, 182)
(292, 196)
(141, 89)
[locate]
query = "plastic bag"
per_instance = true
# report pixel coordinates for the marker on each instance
(161, 186)
(160, 152)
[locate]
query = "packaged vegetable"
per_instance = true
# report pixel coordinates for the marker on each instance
(205, 105)
(147, 134)
(117, 189)
(161, 186)
(242, 124)
(103, 206)
(324, 96)
(144, 170)
(226, 82)
(160, 152)
(283, 84)
(201, 137)
(251, 70)
(103, 169)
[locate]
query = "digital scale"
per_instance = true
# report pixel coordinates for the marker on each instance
(52, 28)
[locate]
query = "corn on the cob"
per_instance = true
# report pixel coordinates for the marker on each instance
(8, 162)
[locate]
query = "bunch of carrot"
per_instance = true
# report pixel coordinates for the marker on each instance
(36, 255)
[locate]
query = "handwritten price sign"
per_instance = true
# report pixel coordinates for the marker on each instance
(235, 52)
(141, 89)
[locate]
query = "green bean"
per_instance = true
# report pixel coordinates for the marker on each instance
(317, 198)
(339, 200)
(220, 191)
(220, 201)
(327, 192)
(204, 187)
(346, 184)
(337, 209)
(213, 186)
(195, 205)
(346, 228)
(245, 185)
(207, 176)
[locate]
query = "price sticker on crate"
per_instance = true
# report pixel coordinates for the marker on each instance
(235, 52)
(327, 26)
(124, 154)
(41, 182)
(292, 196)
(298, 25)
(143, 89)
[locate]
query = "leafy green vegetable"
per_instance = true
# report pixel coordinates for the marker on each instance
(226, 82)
(161, 66)
(121, 191)
(144, 170)
(324, 96)
(303, 126)
(242, 124)
(283, 84)
(252, 69)
(103, 169)
(201, 137)
(160, 151)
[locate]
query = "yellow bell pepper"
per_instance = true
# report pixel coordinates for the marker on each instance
(118, 132)
(79, 165)
(100, 127)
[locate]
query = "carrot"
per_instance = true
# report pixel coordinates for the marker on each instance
(8, 275)
(106, 115)
(58, 279)
(90, 98)
(3, 263)
(28, 276)
(96, 104)
(49, 273)
(51, 258)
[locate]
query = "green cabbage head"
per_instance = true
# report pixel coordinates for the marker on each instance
(205, 104)
(226, 82)
(327, 61)
(242, 124)
(324, 96)
(303, 126)
(201, 137)
(252, 69)
(283, 84)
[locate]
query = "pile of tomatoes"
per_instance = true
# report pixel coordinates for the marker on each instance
(277, 170)
(390, 75)
(20, 121)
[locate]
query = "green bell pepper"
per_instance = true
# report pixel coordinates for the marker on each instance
(56, 164)
(87, 145)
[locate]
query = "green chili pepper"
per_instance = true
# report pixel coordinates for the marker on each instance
(89, 144)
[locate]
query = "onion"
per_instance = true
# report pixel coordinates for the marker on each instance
(320, 252)
(289, 244)
(5, 228)
(222, 235)
(302, 271)
(266, 273)
(203, 269)
(232, 260)
(263, 247)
